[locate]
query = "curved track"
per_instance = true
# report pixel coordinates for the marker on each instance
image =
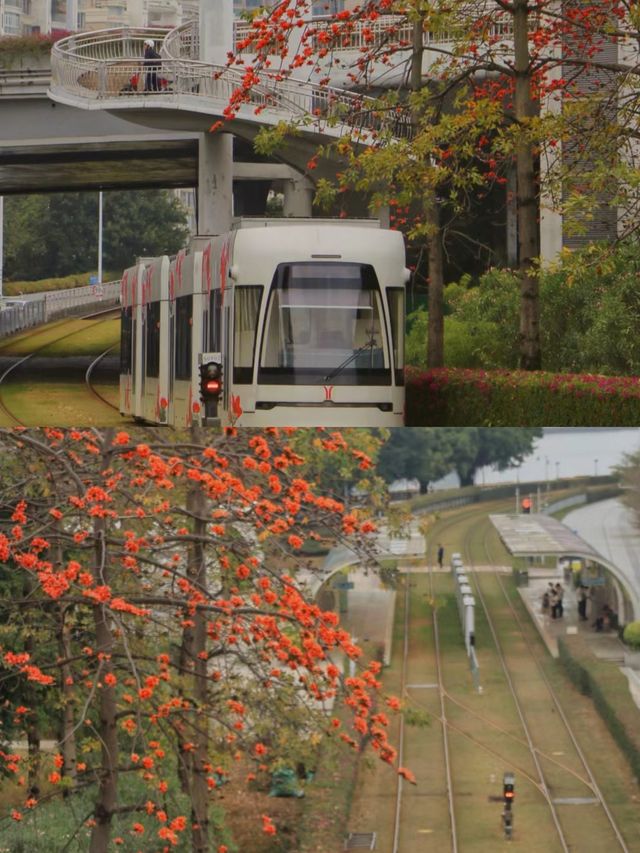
(101, 315)
(527, 730)
(88, 379)
(581, 786)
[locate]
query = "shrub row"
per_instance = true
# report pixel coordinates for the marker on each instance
(44, 285)
(465, 397)
(609, 690)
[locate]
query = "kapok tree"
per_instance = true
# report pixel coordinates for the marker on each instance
(191, 643)
(505, 66)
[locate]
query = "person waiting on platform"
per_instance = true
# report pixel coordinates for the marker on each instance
(607, 620)
(583, 598)
(440, 555)
(152, 67)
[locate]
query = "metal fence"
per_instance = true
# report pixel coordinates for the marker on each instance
(103, 65)
(58, 303)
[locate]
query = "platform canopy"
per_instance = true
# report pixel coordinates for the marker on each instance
(540, 535)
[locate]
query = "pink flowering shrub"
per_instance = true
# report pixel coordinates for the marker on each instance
(470, 397)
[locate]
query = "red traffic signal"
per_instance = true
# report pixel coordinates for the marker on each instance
(508, 787)
(210, 381)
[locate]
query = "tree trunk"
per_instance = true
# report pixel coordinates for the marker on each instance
(31, 700)
(431, 213)
(527, 209)
(67, 733)
(194, 646)
(108, 783)
(435, 344)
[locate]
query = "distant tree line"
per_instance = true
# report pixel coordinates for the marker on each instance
(424, 453)
(57, 234)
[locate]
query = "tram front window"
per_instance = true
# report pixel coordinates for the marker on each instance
(324, 322)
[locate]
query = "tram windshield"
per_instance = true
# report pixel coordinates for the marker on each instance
(325, 323)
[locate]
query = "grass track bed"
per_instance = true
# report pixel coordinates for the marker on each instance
(486, 737)
(60, 404)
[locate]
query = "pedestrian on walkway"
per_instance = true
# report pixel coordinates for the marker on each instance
(440, 555)
(152, 67)
(583, 597)
(553, 601)
(546, 601)
(559, 605)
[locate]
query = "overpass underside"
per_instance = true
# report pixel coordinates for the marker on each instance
(66, 166)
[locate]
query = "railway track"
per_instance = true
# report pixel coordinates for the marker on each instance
(518, 723)
(99, 317)
(89, 379)
(569, 787)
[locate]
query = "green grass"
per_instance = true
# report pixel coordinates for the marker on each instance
(81, 337)
(58, 404)
(88, 340)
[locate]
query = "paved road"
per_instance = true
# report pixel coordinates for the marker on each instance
(610, 527)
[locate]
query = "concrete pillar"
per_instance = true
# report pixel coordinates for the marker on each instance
(215, 183)
(216, 31)
(137, 13)
(550, 235)
(215, 154)
(298, 197)
(72, 15)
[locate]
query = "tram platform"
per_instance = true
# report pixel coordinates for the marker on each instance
(605, 644)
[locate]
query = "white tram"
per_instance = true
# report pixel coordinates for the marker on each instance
(303, 323)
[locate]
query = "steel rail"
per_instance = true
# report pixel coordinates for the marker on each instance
(403, 679)
(525, 727)
(31, 355)
(443, 715)
(89, 383)
(593, 785)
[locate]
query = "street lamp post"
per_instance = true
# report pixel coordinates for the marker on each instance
(100, 237)
(1, 240)
(557, 470)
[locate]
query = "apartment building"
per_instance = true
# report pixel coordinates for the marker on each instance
(23, 17)
(320, 7)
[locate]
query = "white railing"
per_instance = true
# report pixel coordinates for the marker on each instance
(393, 31)
(183, 42)
(20, 317)
(58, 303)
(106, 65)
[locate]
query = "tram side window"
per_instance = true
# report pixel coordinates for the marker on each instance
(215, 321)
(246, 309)
(126, 340)
(153, 339)
(395, 297)
(184, 322)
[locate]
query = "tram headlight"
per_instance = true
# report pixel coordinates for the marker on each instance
(210, 381)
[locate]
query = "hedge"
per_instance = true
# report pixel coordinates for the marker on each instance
(14, 49)
(608, 688)
(466, 397)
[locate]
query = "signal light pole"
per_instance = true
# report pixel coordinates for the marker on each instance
(508, 795)
(210, 388)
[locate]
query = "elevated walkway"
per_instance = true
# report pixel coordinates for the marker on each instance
(102, 71)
